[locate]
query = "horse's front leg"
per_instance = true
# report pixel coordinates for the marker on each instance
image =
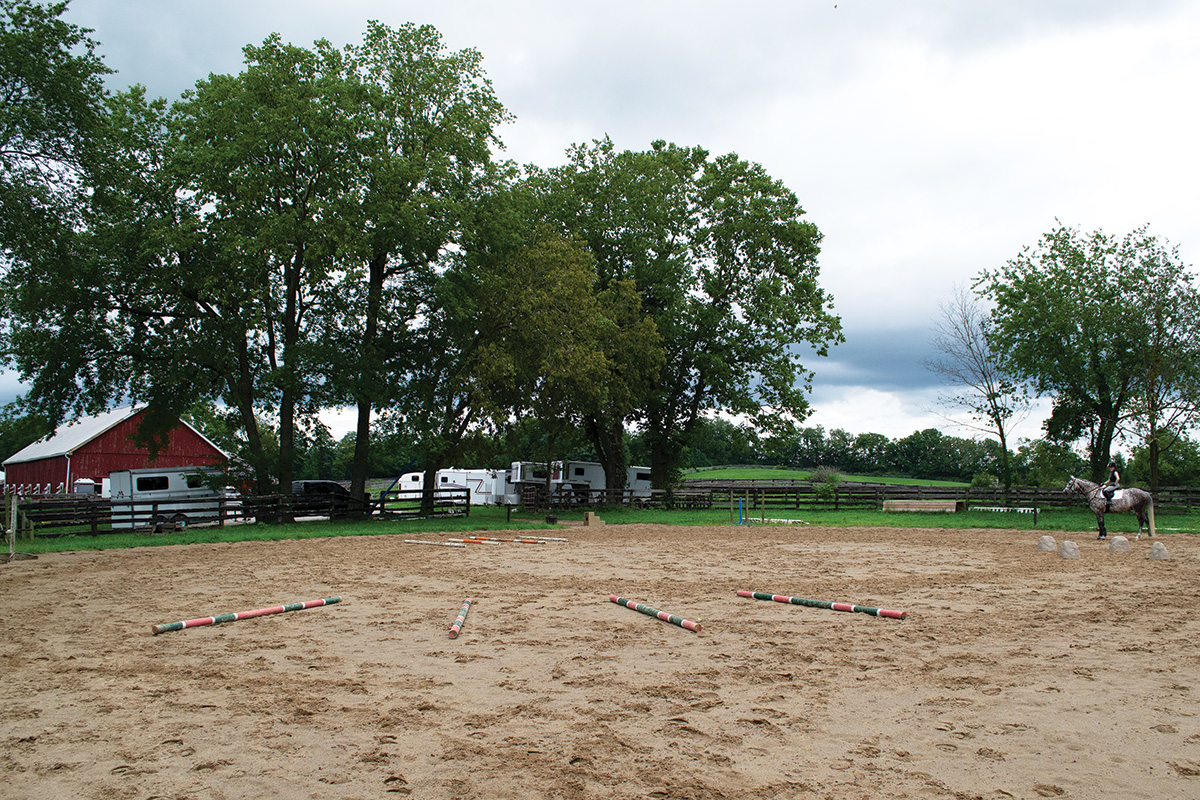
(1100, 525)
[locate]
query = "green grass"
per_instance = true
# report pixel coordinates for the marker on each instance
(1047, 521)
(482, 518)
(769, 474)
(495, 519)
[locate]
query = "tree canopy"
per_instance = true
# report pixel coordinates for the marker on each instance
(726, 266)
(330, 227)
(1106, 326)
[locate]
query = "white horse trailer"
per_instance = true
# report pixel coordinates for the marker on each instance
(486, 486)
(571, 478)
(576, 479)
(638, 483)
(480, 482)
(152, 497)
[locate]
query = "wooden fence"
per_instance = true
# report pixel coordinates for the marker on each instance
(802, 494)
(52, 515)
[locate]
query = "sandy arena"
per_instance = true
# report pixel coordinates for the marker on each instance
(1016, 674)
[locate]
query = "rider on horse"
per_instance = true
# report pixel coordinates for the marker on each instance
(1111, 485)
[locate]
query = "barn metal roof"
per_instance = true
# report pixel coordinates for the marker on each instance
(69, 438)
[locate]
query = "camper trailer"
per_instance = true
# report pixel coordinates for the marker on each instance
(485, 485)
(637, 481)
(570, 480)
(155, 497)
(480, 482)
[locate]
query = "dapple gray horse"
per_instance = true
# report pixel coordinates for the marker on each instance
(1136, 500)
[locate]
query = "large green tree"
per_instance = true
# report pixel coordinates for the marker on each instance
(51, 85)
(1101, 323)
(1165, 307)
(52, 120)
(426, 123)
(726, 267)
(267, 157)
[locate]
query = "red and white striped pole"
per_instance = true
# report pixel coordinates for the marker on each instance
(800, 601)
(260, 612)
(654, 612)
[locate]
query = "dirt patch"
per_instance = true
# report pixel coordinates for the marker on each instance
(1016, 674)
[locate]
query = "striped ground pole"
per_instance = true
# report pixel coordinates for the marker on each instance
(473, 541)
(518, 541)
(462, 617)
(800, 601)
(259, 612)
(654, 612)
(443, 544)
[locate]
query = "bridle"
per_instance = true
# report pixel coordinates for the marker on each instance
(1090, 493)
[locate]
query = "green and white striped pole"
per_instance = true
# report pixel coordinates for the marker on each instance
(800, 601)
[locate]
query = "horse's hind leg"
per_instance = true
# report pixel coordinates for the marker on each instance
(1100, 525)
(1142, 520)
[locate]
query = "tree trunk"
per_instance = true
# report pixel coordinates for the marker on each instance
(432, 463)
(241, 387)
(1155, 452)
(609, 441)
(368, 378)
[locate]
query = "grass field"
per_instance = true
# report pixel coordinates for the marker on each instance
(484, 518)
(769, 474)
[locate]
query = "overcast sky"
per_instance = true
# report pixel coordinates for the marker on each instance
(927, 139)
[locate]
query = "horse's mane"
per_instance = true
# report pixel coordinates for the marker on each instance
(1089, 485)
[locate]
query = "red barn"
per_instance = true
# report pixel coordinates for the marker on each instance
(92, 447)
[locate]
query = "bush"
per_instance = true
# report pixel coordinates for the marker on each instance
(825, 481)
(981, 480)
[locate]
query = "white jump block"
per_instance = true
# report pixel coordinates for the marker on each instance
(1158, 552)
(1069, 550)
(1047, 544)
(937, 506)
(1119, 544)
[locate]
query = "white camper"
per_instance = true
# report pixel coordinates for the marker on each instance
(153, 497)
(485, 485)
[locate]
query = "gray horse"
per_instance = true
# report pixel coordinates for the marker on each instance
(1136, 500)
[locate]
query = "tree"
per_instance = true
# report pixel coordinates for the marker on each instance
(19, 430)
(726, 268)
(990, 395)
(1106, 325)
(51, 81)
(268, 158)
(1165, 307)
(550, 355)
(52, 119)
(1044, 462)
(426, 123)
(1061, 322)
(1177, 466)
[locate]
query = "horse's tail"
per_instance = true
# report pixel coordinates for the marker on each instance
(1150, 511)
